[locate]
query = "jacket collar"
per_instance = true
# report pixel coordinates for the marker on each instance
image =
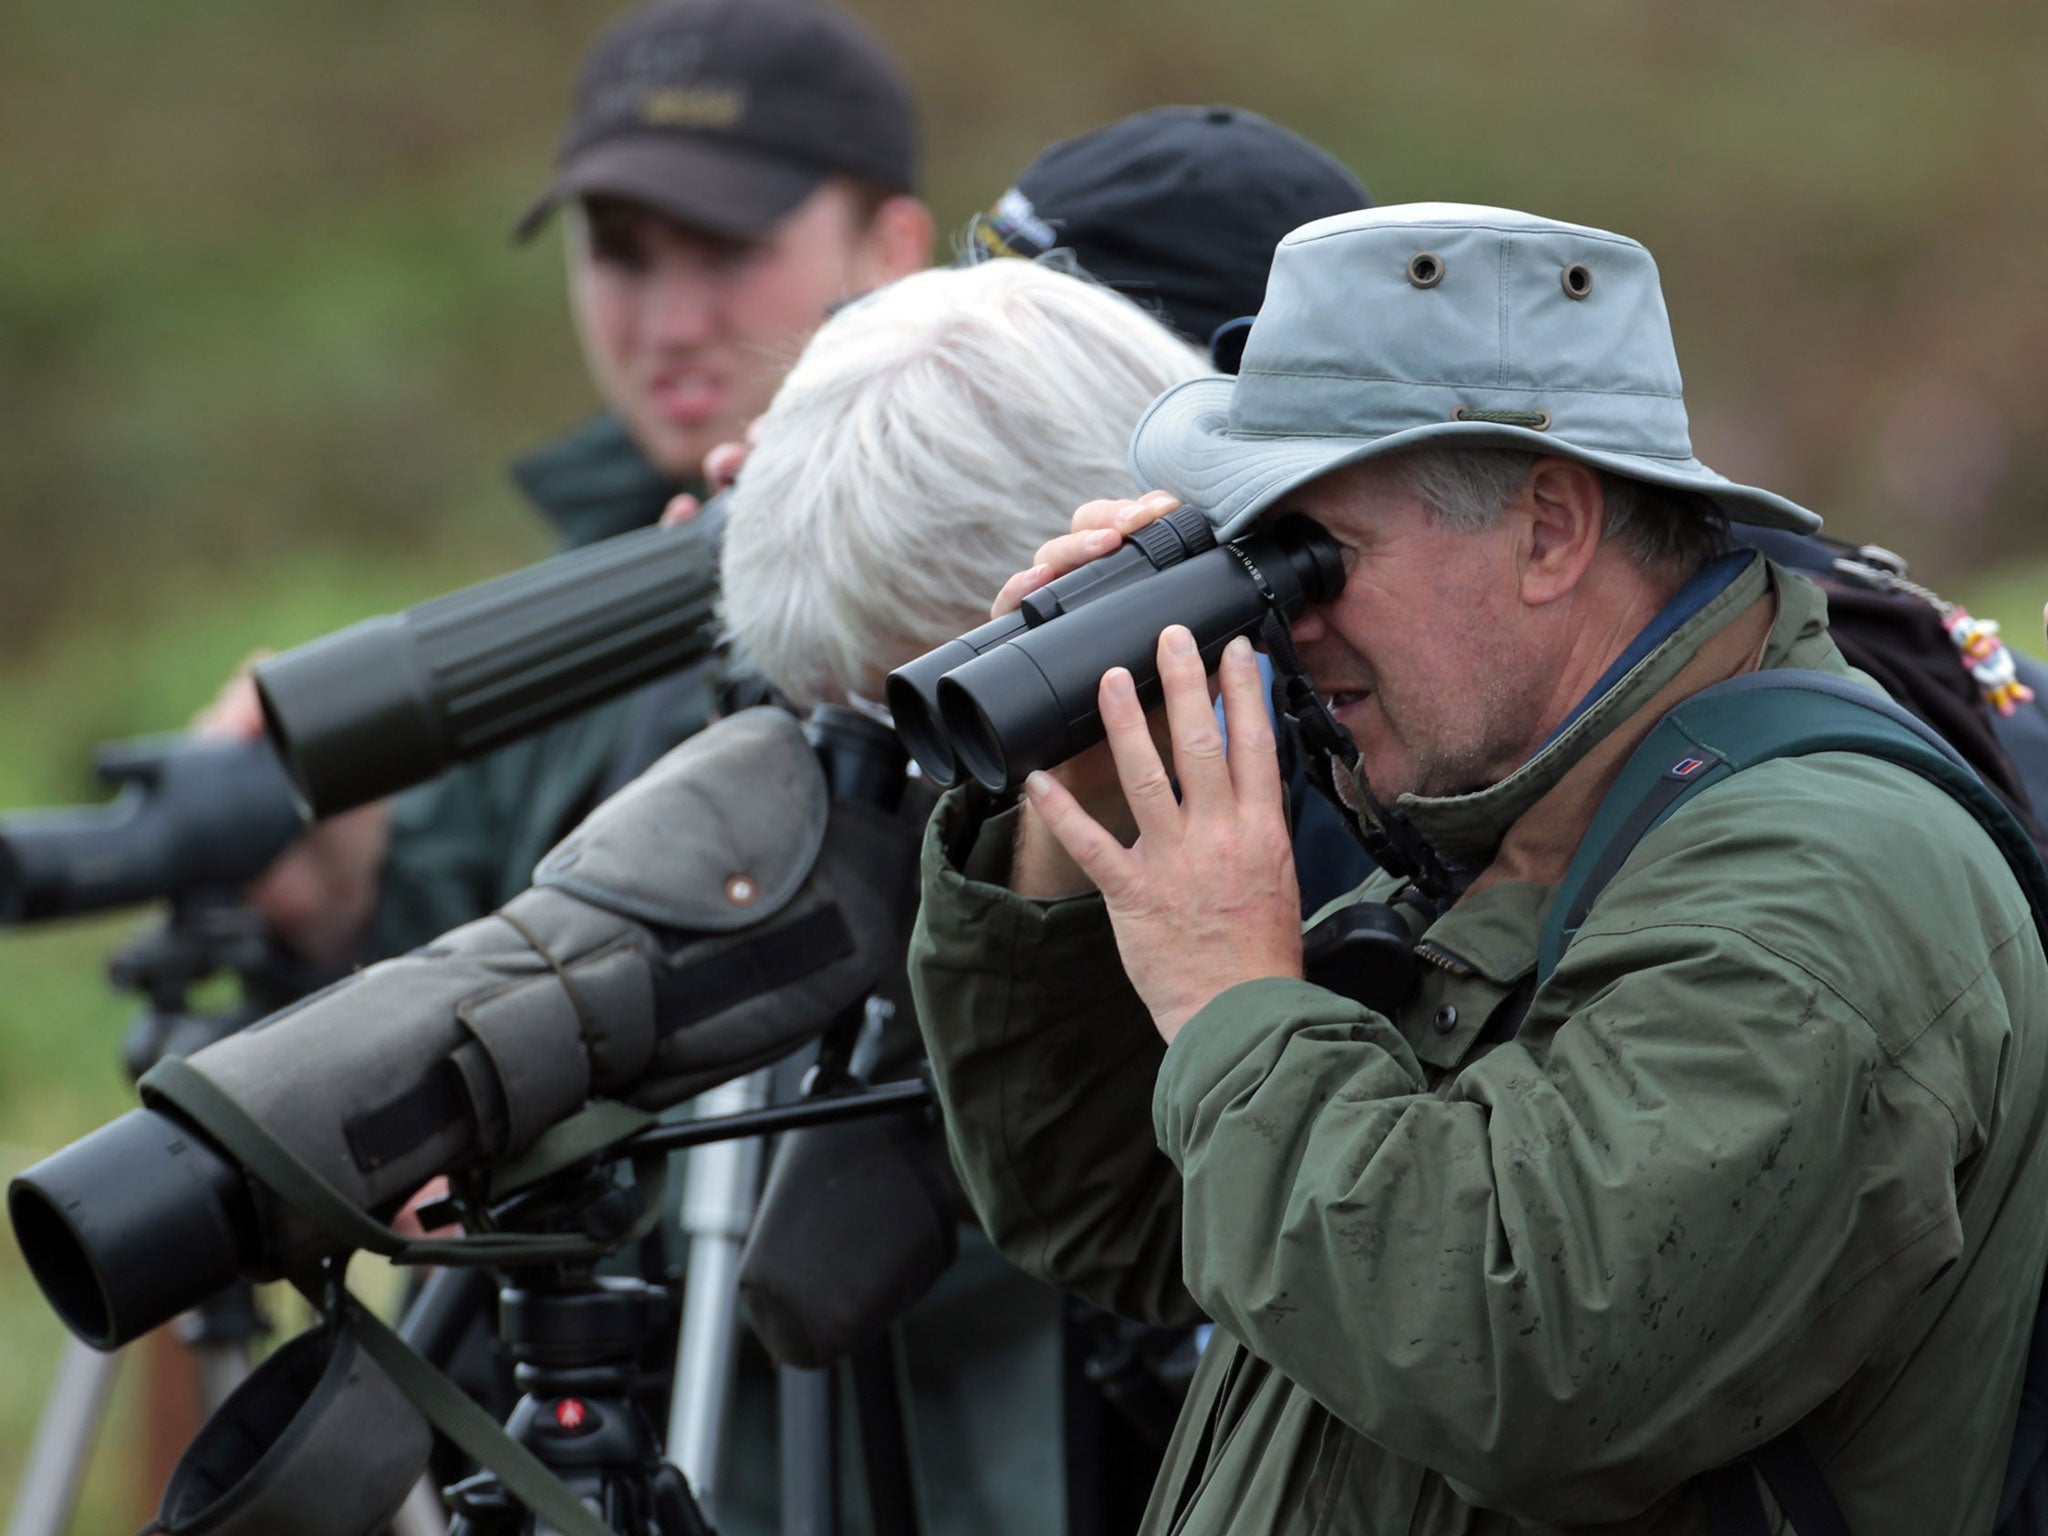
(595, 483)
(1765, 616)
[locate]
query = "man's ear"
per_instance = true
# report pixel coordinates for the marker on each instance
(898, 240)
(1567, 513)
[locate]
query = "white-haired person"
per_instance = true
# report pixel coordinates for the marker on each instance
(927, 441)
(930, 438)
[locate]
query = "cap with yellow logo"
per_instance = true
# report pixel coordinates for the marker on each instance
(725, 114)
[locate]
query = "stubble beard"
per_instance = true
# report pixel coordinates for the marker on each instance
(1464, 752)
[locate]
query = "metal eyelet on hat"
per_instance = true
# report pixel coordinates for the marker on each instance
(1578, 280)
(1425, 269)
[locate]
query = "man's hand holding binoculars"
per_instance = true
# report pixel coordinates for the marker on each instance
(1205, 896)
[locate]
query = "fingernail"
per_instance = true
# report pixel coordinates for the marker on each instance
(1035, 783)
(1179, 640)
(1162, 500)
(1239, 650)
(1118, 682)
(1101, 539)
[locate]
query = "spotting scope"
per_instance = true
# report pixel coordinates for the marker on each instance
(193, 812)
(397, 700)
(735, 901)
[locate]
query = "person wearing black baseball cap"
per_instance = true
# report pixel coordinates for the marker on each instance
(731, 169)
(1178, 208)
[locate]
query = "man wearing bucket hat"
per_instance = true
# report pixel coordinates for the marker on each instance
(1738, 1199)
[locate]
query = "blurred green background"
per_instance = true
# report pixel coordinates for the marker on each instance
(265, 346)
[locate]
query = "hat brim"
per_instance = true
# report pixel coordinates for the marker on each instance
(721, 188)
(1184, 445)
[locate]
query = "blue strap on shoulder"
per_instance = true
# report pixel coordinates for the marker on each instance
(1752, 719)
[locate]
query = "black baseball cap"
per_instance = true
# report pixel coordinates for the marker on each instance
(1178, 208)
(725, 114)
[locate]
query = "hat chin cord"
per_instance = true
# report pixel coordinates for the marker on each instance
(1332, 764)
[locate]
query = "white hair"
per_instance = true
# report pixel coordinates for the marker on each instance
(930, 438)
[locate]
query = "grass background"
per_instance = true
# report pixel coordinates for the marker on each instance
(265, 347)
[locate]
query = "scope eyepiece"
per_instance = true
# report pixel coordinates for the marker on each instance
(193, 813)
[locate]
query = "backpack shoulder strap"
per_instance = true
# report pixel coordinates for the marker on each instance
(1752, 719)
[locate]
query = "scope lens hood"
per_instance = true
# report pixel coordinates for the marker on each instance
(319, 1441)
(131, 1225)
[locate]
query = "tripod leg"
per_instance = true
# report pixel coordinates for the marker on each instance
(55, 1467)
(809, 1442)
(720, 1187)
(221, 1333)
(885, 1444)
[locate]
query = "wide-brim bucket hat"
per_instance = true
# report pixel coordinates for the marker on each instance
(1441, 323)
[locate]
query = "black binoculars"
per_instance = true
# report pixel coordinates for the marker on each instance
(1019, 693)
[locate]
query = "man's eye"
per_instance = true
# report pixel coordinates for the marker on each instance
(619, 250)
(734, 256)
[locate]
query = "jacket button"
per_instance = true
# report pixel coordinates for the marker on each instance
(1446, 1019)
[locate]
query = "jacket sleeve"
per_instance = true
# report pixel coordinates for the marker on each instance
(1045, 1063)
(1647, 1236)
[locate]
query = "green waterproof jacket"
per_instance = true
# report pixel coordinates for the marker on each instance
(1766, 1150)
(467, 843)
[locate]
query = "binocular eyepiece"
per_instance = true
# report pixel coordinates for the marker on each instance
(1019, 693)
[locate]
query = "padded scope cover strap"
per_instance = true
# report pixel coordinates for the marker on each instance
(1719, 731)
(348, 1228)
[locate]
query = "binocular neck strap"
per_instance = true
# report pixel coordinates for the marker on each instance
(1332, 765)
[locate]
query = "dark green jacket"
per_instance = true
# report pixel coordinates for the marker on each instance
(1767, 1150)
(466, 843)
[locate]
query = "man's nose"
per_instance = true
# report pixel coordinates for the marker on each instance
(682, 304)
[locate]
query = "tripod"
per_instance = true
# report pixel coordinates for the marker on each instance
(577, 1341)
